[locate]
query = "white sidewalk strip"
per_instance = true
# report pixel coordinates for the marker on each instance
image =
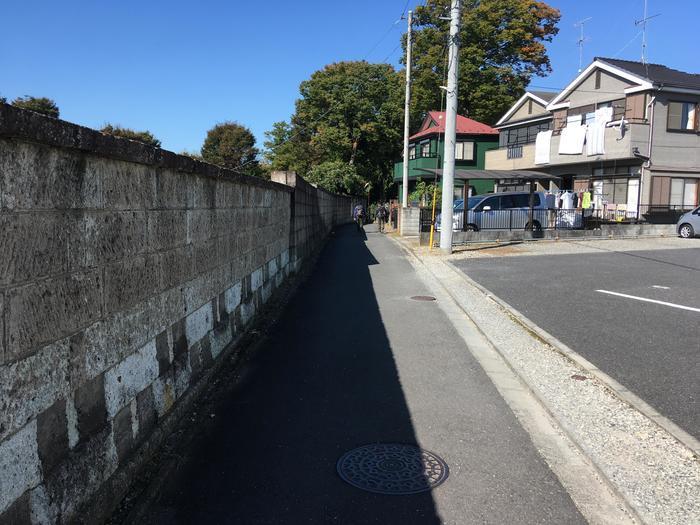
(672, 305)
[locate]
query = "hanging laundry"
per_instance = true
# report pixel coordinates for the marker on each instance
(549, 200)
(542, 146)
(595, 134)
(573, 136)
(567, 201)
(586, 202)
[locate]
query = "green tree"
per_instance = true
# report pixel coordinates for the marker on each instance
(424, 191)
(502, 46)
(42, 105)
(349, 112)
(232, 146)
(337, 176)
(145, 137)
(286, 150)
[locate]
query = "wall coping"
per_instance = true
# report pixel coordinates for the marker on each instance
(35, 127)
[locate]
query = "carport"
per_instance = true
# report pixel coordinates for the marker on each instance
(524, 175)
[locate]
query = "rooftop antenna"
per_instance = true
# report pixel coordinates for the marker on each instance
(580, 41)
(643, 23)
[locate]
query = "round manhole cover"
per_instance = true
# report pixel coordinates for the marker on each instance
(392, 468)
(423, 298)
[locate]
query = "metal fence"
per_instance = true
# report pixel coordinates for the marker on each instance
(644, 213)
(553, 219)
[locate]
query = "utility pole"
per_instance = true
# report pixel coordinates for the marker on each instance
(448, 166)
(406, 112)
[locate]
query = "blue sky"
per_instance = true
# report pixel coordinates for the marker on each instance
(177, 68)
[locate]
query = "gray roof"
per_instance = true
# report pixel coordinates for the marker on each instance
(656, 73)
(544, 95)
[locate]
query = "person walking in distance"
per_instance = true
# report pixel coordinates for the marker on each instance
(381, 215)
(358, 214)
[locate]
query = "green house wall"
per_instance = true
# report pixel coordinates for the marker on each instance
(481, 145)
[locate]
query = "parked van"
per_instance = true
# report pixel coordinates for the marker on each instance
(495, 211)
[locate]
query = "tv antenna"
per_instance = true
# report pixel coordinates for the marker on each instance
(643, 23)
(580, 41)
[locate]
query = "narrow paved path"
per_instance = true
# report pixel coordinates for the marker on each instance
(354, 361)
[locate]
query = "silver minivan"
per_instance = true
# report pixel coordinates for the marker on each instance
(507, 211)
(689, 224)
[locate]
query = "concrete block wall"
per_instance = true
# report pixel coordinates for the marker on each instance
(409, 222)
(315, 213)
(125, 271)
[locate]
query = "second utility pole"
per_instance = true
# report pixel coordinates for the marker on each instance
(406, 115)
(448, 167)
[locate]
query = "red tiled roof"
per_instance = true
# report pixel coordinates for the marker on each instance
(465, 126)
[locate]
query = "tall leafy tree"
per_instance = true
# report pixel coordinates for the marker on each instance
(42, 105)
(139, 136)
(286, 149)
(348, 112)
(502, 46)
(337, 176)
(231, 145)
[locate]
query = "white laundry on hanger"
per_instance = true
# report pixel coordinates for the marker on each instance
(572, 136)
(542, 147)
(595, 135)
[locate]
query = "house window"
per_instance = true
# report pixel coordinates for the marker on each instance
(425, 149)
(587, 113)
(464, 150)
(597, 79)
(529, 107)
(412, 151)
(523, 135)
(619, 107)
(683, 116)
(683, 192)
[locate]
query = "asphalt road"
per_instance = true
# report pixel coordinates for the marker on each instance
(352, 361)
(652, 349)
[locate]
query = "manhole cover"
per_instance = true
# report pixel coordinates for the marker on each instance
(423, 298)
(392, 468)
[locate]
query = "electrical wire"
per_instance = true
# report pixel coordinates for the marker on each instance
(305, 128)
(627, 45)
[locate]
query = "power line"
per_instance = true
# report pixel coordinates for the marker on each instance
(381, 39)
(307, 126)
(635, 37)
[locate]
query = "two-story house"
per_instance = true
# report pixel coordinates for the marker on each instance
(633, 136)
(427, 145)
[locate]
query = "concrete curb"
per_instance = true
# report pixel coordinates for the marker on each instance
(616, 388)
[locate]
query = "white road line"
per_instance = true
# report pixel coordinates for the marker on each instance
(661, 287)
(673, 305)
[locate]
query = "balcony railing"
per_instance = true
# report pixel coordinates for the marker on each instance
(515, 152)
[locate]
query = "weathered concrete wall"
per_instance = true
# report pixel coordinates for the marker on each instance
(314, 213)
(125, 272)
